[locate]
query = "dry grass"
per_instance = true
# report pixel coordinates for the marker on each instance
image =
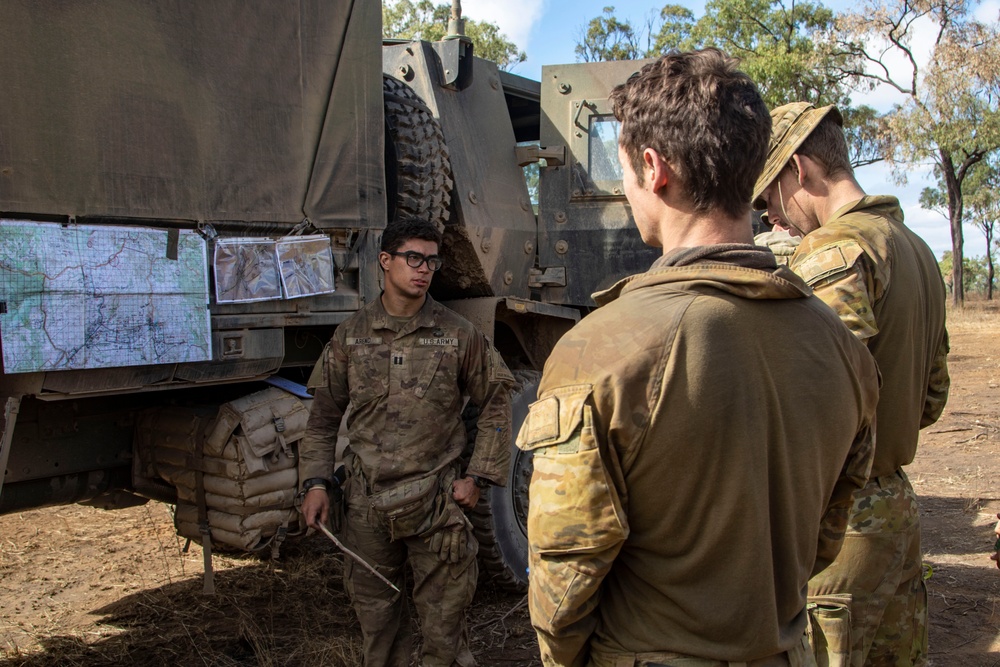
(86, 587)
(977, 315)
(292, 612)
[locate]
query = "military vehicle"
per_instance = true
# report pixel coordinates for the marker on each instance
(191, 200)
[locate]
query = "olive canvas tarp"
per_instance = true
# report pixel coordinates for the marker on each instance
(222, 110)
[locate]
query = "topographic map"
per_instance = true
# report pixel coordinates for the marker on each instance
(76, 297)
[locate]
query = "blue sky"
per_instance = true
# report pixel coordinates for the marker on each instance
(548, 30)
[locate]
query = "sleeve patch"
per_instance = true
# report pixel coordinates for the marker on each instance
(828, 261)
(498, 369)
(318, 376)
(553, 419)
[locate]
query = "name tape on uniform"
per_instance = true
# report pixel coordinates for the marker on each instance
(370, 340)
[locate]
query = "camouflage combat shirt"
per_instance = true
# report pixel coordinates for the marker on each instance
(406, 384)
(781, 243)
(691, 472)
(884, 283)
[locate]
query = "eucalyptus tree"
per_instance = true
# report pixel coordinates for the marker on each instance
(781, 45)
(949, 116)
(422, 19)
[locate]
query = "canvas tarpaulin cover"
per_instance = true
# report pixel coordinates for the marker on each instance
(222, 110)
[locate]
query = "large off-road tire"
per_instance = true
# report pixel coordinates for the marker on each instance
(417, 168)
(501, 517)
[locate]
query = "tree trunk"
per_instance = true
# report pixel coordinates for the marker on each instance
(954, 187)
(989, 278)
(989, 263)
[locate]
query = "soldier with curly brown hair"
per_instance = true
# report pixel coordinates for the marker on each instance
(687, 479)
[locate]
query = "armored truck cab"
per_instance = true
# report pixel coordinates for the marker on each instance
(191, 200)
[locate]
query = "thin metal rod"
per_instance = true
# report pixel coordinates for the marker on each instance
(356, 557)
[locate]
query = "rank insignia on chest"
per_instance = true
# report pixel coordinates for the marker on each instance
(443, 342)
(397, 360)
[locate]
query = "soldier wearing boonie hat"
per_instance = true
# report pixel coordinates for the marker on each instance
(790, 126)
(883, 282)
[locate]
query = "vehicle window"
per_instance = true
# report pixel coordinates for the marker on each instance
(603, 149)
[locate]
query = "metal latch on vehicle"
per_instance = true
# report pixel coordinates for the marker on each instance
(554, 156)
(553, 276)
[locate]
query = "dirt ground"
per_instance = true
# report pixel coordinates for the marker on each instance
(80, 586)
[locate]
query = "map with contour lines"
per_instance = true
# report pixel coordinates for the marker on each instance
(75, 297)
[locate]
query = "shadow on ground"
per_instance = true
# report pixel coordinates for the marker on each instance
(289, 613)
(964, 587)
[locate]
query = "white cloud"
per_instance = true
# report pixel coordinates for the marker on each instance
(515, 18)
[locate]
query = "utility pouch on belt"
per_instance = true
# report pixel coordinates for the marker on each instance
(406, 509)
(830, 629)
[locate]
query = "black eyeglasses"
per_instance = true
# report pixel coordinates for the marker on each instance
(414, 260)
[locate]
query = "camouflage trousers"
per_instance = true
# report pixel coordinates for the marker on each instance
(880, 568)
(798, 656)
(441, 593)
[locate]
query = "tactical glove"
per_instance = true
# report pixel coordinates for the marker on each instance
(450, 545)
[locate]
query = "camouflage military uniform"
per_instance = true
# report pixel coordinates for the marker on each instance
(405, 382)
(883, 282)
(782, 244)
(681, 469)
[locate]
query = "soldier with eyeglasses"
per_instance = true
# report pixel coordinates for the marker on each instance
(405, 363)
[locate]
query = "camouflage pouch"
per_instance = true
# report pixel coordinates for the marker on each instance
(406, 509)
(830, 629)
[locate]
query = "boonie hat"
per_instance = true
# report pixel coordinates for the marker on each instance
(790, 125)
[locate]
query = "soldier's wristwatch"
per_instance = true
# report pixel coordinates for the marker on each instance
(315, 481)
(481, 482)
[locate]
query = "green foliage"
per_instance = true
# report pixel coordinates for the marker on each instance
(774, 41)
(982, 197)
(781, 45)
(934, 199)
(945, 264)
(677, 25)
(777, 43)
(981, 192)
(950, 113)
(531, 175)
(865, 131)
(409, 19)
(974, 275)
(422, 19)
(607, 38)
(493, 45)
